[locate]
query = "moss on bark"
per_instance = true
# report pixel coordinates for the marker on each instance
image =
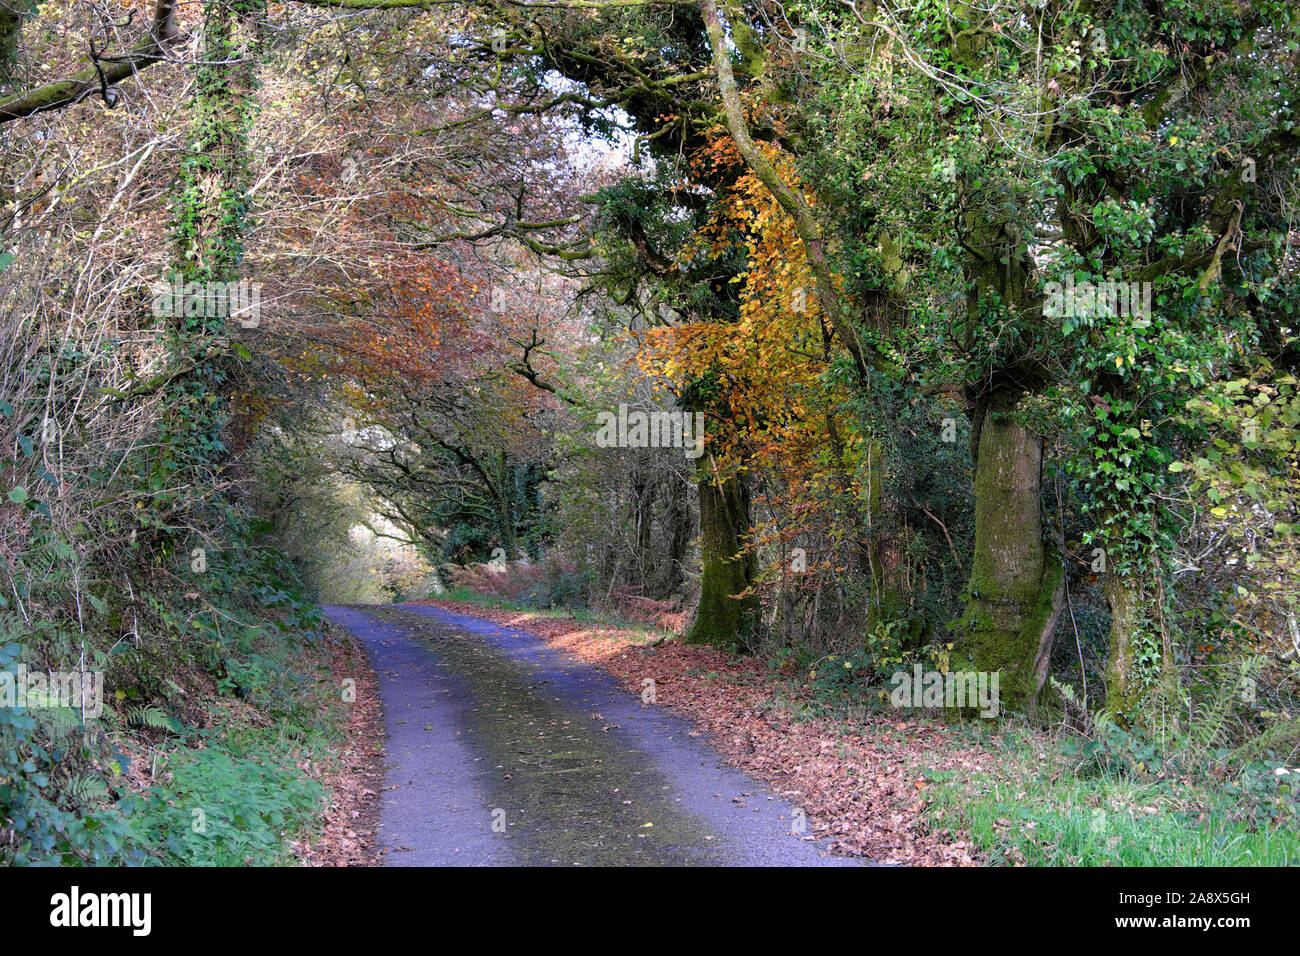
(1014, 588)
(1141, 665)
(728, 565)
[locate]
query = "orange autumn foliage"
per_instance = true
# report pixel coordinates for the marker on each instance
(784, 415)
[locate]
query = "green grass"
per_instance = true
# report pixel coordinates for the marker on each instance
(235, 795)
(1042, 809)
(233, 802)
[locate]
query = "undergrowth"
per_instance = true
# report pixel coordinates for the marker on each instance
(199, 755)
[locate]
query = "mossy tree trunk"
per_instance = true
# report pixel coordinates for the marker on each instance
(1141, 679)
(505, 506)
(210, 205)
(1015, 583)
(725, 615)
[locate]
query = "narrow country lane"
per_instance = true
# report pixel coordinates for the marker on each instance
(501, 750)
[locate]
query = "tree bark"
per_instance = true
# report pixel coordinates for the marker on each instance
(101, 76)
(1141, 668)
(728, 564)
(1015, 582)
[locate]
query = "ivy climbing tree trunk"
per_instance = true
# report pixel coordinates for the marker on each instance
(1119, 481)
(505, 507)
(210, 209)
(1141, 656)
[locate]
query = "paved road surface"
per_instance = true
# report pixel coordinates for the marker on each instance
(504, 751)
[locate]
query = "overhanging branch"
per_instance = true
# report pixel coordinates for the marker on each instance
(103, 72)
